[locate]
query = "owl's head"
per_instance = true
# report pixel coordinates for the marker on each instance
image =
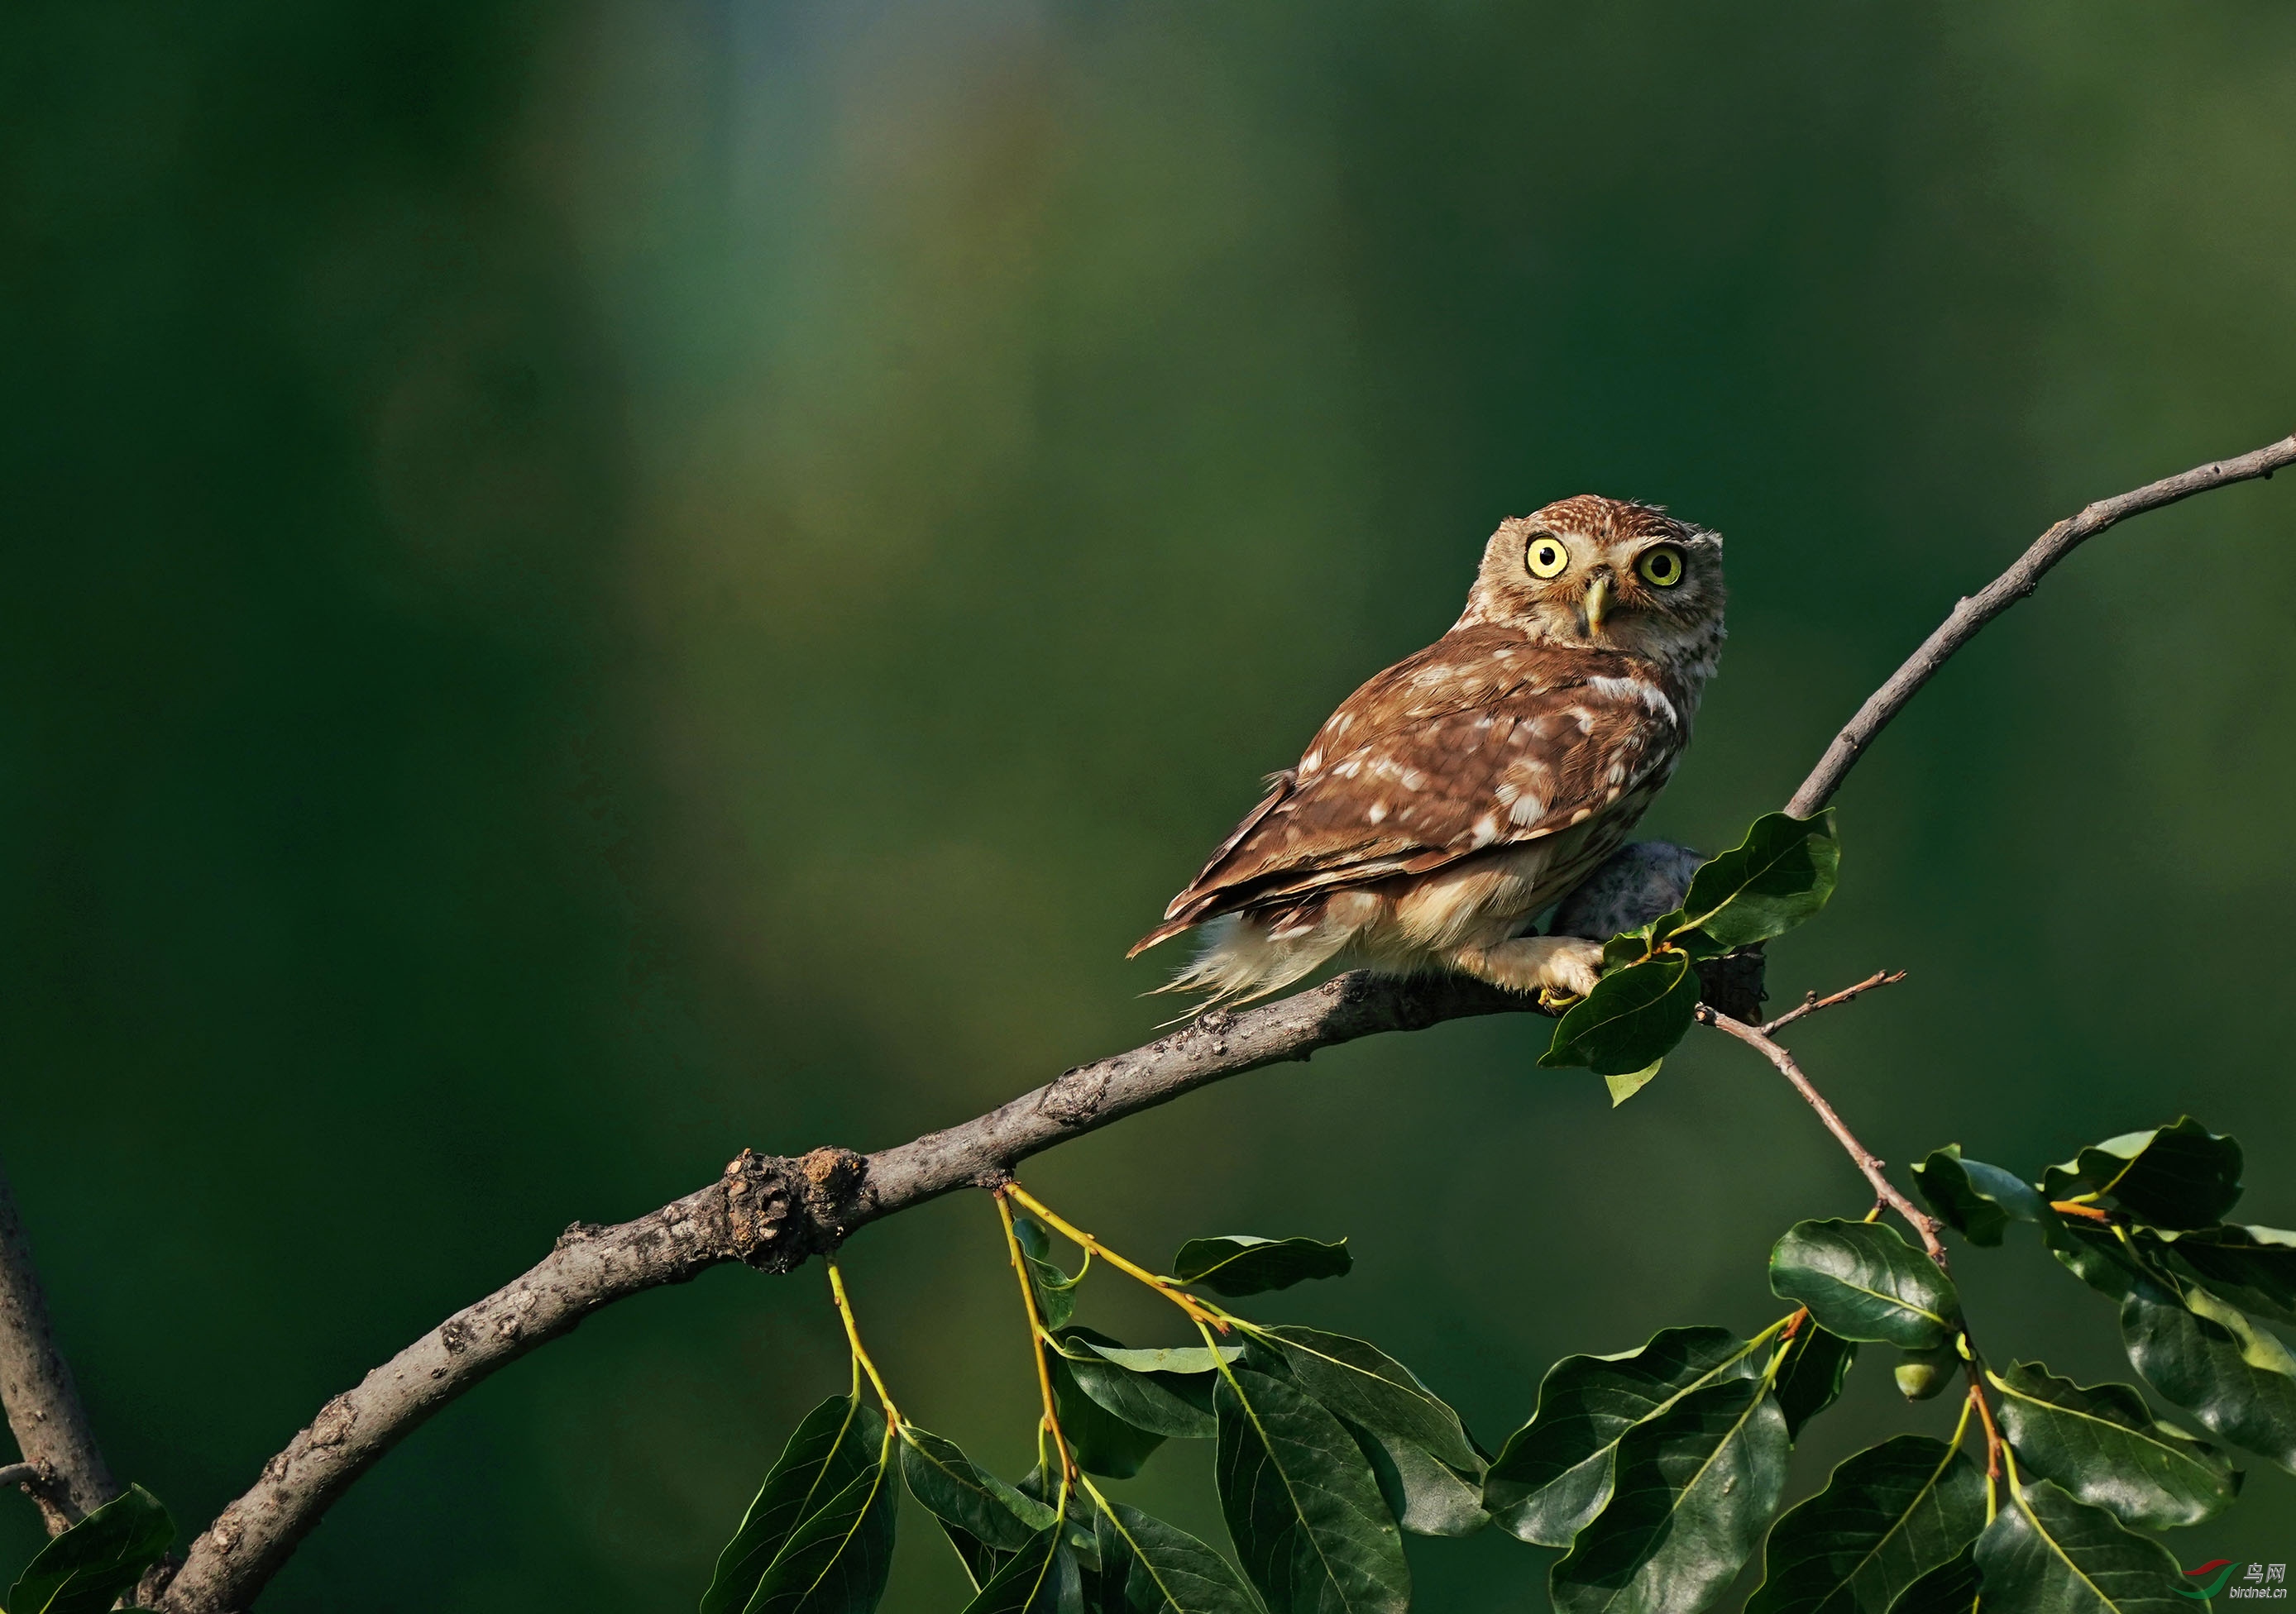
(1594, 573)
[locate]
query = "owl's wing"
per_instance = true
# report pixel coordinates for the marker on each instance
(1477, 741)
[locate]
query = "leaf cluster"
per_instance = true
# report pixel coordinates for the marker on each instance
(1776, 879)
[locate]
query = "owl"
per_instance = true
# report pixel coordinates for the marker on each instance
(1457, 795)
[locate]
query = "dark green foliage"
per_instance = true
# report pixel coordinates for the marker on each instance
(2103, 1446)
(1779, 876)
(835, 1444)
(2238, 1379)
(1361, 1384)
(1953, 1587)
(1177, 1404)
(1862, 1281)
(1817, 1366)
(1147, 1566)
(1238, 1264)
(1302, 1505)
(1555, 1472)
(1775, 879)
(2182, 1175)
(835, 1561)
(98, 1561)
(1043, 1578)
(1658, 1469)
(1427, 1496)
(1889, 1516)
(1105, 1440)
(2253, 1268)
(1977, 1201)
(984, 1518)
(1695, 1486)
(1632, 1019)
(2046, 1554)
(1054, 1287)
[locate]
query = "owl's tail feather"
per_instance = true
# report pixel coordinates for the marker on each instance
(1243, 961)
(1162, 933)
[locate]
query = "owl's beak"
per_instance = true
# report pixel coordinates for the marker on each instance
(1600, 595)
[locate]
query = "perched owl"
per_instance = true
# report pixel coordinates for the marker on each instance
(1463, 792)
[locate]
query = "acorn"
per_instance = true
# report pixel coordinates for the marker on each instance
(1923, 1374)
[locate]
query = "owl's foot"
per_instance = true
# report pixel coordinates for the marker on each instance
(1553, 966)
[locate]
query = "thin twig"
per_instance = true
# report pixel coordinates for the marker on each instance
(1867, 1162)
(1975, 612)
(1812, 1004)
(1039, 1343)
(24, 1475)
(844, 1305)
(1196, 1310)
(42, 1404)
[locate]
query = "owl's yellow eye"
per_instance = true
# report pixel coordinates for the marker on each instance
(1546, 557)
(1661, 566)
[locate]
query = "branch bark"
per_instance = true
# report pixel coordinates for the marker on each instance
(70, 1479)
(1972, 613)
(774, 1213)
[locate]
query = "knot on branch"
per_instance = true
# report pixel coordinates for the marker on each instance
(780, 1212)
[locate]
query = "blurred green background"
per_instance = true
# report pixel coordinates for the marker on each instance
(587, 586)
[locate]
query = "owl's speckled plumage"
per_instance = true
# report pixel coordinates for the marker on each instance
(1465, 790)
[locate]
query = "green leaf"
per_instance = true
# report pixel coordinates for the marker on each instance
(1076, 1523)
(1159, 1403)
(1041, 1579)
(1779, 876)
(2046, 1554)
(1186, 1361)
(2182, 1175)
(1428, 1497)
(836, 1559)
(1105, 1441)
(1863, 1281)
(2238, 1379)
(1238, 1264)
(2097, 1255)
(2253, 1268)
(98, 1561)
(1363, 1384)
(1950, 1588)
(959, 1492)
(1302, 1505)
(2102, 1446)
(1696, 1485)
(1630, 1021)
(1154, 1568)
(1624, 1087)
(1811, 1377)
(1555, 1472)
(834, 1445)
(1977, 1201)
(1056, 1289)
(1889, 1516)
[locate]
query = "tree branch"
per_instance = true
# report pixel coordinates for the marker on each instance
(1867, 1163)
(773, 1213)
(1975, 611)
(69, 1479)
(1812, 1004)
